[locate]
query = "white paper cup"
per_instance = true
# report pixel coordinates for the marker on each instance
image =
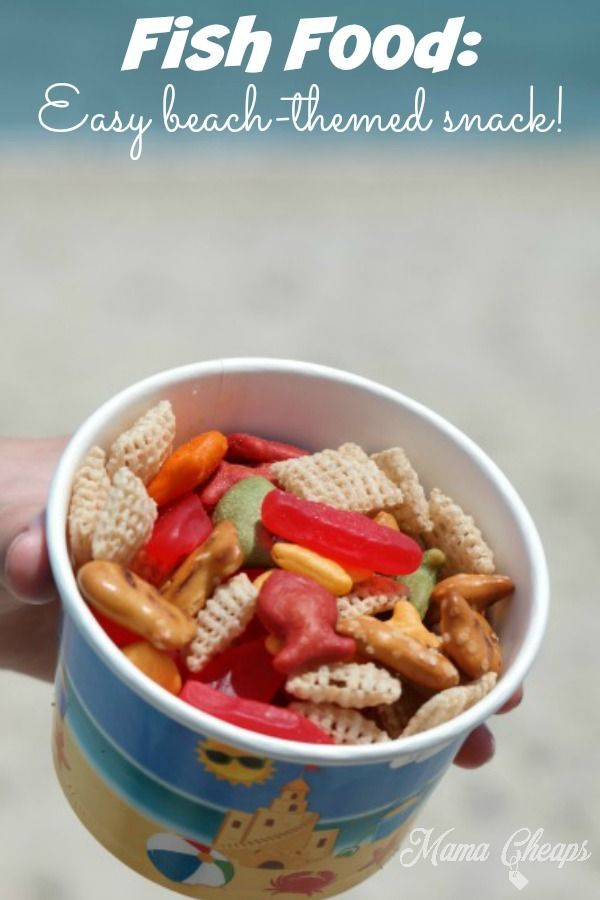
(206, 808)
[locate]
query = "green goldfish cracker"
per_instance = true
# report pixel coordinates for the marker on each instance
(422, 582)
(241, 504)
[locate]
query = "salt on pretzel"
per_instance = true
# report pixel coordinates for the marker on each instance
(468, 638)
(88, 498)
(125, 524)
(448, 704)
(224, 617)
(344, 478)
(144, 447)
(351, 685)
(412, 514)
(388, 643)
(345, 726)
(458, 536)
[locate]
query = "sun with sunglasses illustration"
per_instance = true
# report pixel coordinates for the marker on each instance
(233, 765)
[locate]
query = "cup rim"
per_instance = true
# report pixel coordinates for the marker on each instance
(416, 746)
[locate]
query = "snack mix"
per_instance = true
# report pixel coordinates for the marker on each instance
(319, 597)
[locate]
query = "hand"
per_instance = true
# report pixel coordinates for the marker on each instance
(28, 633)
(479, 747)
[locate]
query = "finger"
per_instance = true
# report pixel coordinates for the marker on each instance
(477, 750)
(28, 638)
(26, 567)
(512, 702)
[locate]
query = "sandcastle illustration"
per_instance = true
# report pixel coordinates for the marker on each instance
(282, 835)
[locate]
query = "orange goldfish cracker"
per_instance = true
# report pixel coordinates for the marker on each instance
(156, 664)
(325, 572)
(345, 726)
(144, 447)
(448, 704)
(188, 466)
(389, 643)
(130, 601)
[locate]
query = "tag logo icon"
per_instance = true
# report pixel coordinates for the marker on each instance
(517, 879)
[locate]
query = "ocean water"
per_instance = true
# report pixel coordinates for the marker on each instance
(534, 43)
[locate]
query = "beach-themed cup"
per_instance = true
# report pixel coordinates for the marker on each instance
(214, 811)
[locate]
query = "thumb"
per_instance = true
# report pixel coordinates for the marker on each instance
(26, 566)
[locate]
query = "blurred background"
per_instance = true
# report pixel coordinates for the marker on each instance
(462, 271)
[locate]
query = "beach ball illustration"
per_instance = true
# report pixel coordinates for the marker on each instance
(188, 862)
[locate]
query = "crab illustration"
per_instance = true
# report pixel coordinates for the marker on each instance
(306, 883)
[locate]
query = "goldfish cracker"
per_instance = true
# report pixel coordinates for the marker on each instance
(188, 467)
(324, 571)
(303, 614)
(156, 664)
